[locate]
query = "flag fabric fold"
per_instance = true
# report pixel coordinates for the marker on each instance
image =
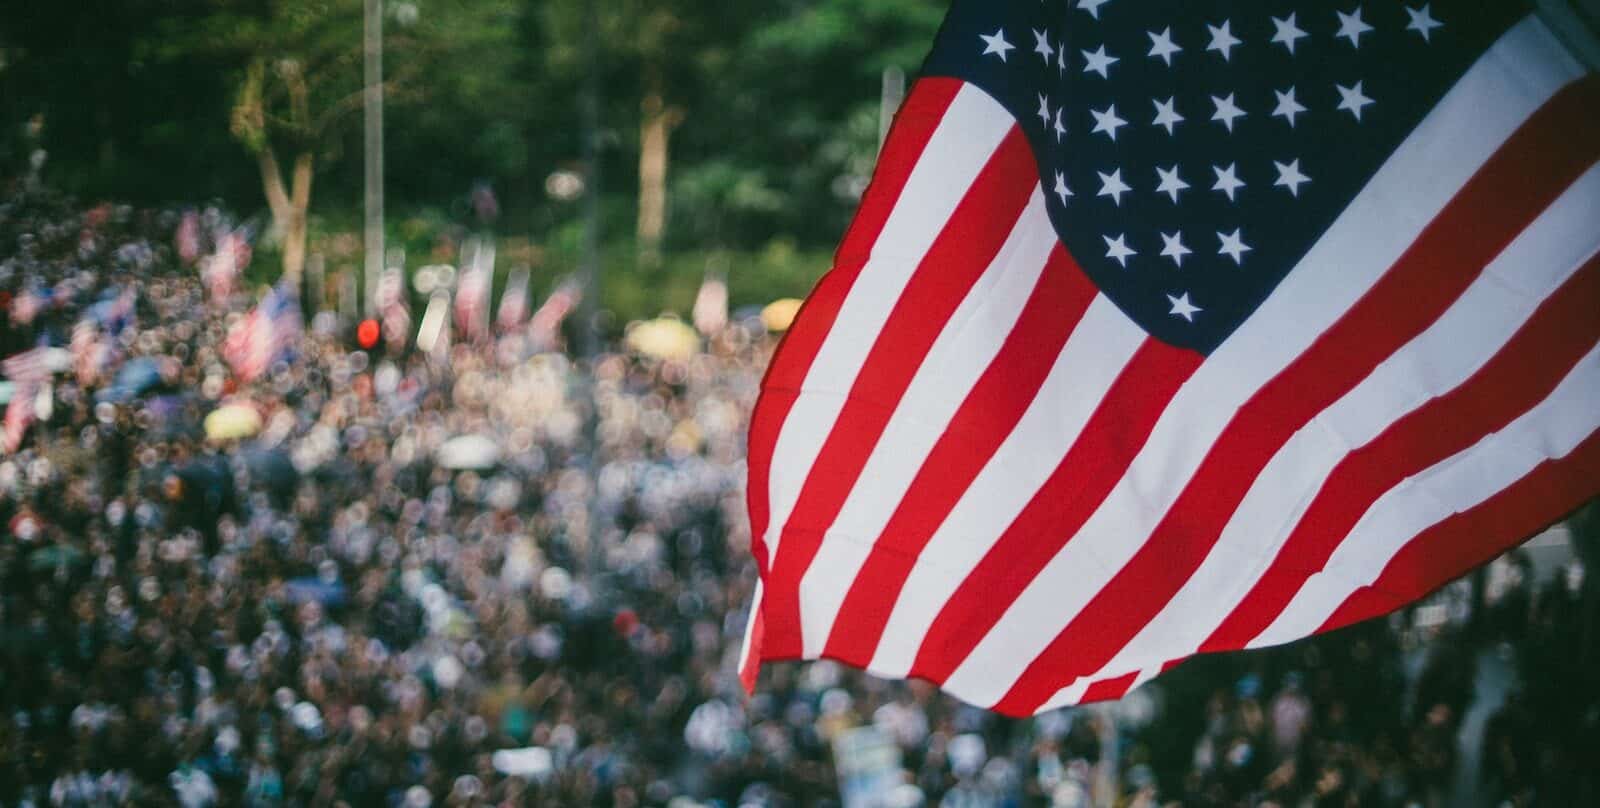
(265, 335)
(1179, 327)
(29, 372)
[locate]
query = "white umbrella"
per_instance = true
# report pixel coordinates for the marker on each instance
(532, 762)
(469, 452)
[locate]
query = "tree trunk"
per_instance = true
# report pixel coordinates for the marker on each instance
(655, 130)
(272, 186)
(289, 206)
(294, 236)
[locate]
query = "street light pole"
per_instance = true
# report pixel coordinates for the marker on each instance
(372, 108)
(589, 271)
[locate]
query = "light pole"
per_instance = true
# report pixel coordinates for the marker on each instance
(372, 109)
(589, 270)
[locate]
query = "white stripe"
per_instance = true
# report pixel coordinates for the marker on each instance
(972, 128)
(1099, 347)
(1440, 359)
(749, 629)
(1069, 695)
(958, 357)
(1552, 429)
(1074, 693)
(1485, 107)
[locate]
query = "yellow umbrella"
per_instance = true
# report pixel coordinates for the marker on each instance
(779, 314)
(664, 338)
(232, 421)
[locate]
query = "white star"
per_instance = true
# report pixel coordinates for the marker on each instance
(1233, 245)
(1166, 114)
(1092, 6)
(1099, 62)
(1172, 247)
(1222, 39)
(1041, 45)
(1353, 99)
(1061, 59)
(1181, 307)
(1171, 183)
(1118, 248)
(1289, 176)
(1061, 129)
(1287, 107)
(1044, 109)
(1422, 21)
(1226, 111)
(996, 43)
(1112, 185)
(1287, 32)
(1061, 188)
(1162, 46)
(1227, 180)
(1107, 121)
(1351, 26)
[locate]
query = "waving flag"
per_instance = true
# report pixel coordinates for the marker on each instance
(29, 372)
(544, 327)
(222, 269)
(513, 302)
(393, 308)
(1176, 327)
(473, 290)
(265, 335)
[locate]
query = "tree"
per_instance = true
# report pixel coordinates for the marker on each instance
(297, 77)
(785, 130)
(296, 67)
(80, 80)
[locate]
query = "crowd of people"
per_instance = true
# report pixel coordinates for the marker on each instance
(492, 574)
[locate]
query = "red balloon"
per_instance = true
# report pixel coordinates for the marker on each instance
(367, 333)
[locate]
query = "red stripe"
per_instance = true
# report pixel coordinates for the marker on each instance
(987, 415)
(914, 126)
(1521, 374)
(959, 255)
(1103, 690)
(1523, 177)
(1108, 689)
(1445, 551)
(1109, 441)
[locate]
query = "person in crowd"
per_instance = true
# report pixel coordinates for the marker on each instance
(352, 606)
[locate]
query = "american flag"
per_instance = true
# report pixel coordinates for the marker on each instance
(265, 335)
(710, 312)
(187, 237)
(513, 302)
(28, 372)
(474, 289)
(544, 327)
(393, 308)
(222, 269)
(1176, 327)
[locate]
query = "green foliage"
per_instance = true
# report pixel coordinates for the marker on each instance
(793, 121)
(778, 104)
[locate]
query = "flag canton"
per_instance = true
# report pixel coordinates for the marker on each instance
(1192, 152)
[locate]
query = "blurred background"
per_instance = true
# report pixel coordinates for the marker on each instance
(376, 378)
(734, 134)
